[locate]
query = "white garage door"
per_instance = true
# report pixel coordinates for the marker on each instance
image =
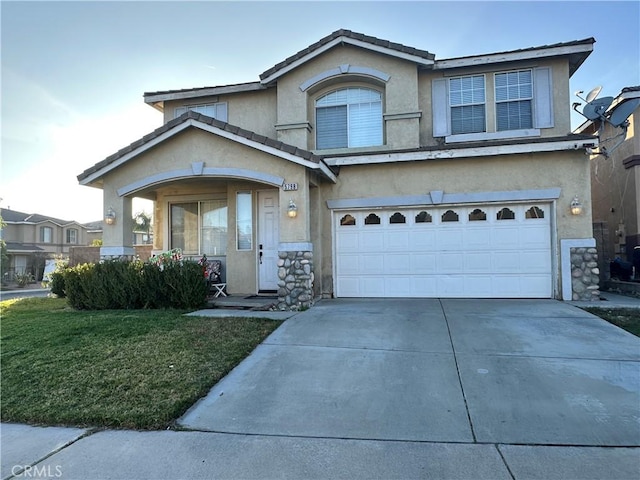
(497, 251)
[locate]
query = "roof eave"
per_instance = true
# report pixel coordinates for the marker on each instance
(576, 51)
(157, 99)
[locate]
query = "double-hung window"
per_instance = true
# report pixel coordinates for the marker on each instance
(349, 117)
(514, 97)
(46, 234)
(199, 228)
(214, 110)
(467, 102)
(72, 235)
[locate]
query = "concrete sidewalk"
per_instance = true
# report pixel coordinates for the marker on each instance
(373, 388)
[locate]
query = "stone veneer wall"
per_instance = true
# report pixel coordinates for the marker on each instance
(585, 274)
(295, 280)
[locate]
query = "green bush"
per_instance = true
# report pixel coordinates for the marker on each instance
(115, 284)
(56, 282)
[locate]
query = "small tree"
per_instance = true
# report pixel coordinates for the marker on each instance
(142, 220)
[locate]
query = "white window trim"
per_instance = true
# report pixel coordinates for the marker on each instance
(501, 135)
(484, 103)
(543, 110)
(531, 99)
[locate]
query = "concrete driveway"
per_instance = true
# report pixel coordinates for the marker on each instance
(411, 388)
(481, 371)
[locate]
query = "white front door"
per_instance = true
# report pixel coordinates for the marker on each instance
(268, 238)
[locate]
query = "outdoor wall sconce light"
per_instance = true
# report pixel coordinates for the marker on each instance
(110, 217)
(292, 210)
(576, 206)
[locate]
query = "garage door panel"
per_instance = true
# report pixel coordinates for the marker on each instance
(450, 239)
(349, 242)
(371, 240)
(423, 263)
(424, 286)
(348, 265)
(397, 263)
(397, 241)
(487, 258)
(371, 264)
(422, 240)
(450, 262)
(477, 262)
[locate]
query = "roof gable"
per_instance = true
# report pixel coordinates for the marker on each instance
(193, 119)
(339, 37)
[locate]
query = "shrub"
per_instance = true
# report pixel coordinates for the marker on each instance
(23, 279)
(115, 284)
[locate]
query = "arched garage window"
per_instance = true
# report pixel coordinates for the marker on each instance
(349, 117)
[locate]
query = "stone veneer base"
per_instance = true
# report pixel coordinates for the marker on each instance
(295, 280)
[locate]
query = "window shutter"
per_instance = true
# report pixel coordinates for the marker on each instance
(543, 97)
(440, 108)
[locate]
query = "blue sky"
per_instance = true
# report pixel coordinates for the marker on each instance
(73, 73)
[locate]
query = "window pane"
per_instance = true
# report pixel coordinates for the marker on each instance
(184, 227)
(331, 127)
(213, 233)
(244, 221)
(467, 119)
(514, 115)
(365, 124)
(351, 117)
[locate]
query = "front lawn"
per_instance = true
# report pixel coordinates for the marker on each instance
(137, 369)
(626, 318)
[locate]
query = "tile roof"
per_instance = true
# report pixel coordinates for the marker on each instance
(222, 88)
(480, 143)
(529, 49)
(14, 216)
(353, 35)
(191, 115)
(23, 247)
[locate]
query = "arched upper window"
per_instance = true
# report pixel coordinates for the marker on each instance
(349, 117)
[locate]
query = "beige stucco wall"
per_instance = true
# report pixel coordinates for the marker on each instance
(400, 92)
(254, 111)
(615, 188)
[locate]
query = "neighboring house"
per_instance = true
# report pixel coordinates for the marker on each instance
(615, 185)
(33, 238)
(360, 167)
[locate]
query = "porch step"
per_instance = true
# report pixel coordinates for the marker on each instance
(243, 302)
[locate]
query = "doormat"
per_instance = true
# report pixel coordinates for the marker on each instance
(263, 297)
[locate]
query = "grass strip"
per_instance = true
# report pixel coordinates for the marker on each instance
(626, 318)
(137, 369)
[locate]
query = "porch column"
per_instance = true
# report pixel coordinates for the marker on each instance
(117, 237)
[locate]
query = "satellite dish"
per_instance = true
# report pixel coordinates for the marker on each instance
(622, 111)
(591, 96)
(596, 108)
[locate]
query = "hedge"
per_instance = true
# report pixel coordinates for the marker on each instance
(115, 284)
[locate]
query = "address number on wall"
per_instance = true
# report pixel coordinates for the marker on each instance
(290, 187)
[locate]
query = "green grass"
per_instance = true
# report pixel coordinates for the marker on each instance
(137, 369)
(626, 318)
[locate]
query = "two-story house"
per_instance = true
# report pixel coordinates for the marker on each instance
(615, 185)
(359, 167)
(33, 238)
